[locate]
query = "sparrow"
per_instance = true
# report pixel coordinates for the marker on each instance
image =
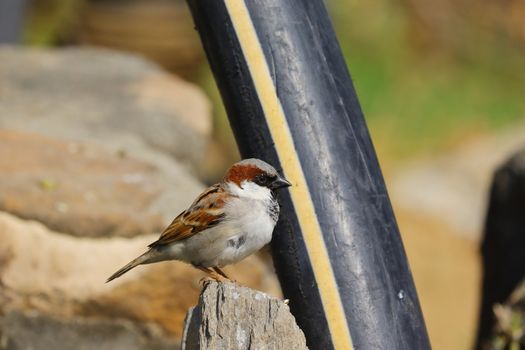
(226, 223)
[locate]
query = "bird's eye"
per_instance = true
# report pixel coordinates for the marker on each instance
(262, 180)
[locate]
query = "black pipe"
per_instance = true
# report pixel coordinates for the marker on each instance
(290, 101)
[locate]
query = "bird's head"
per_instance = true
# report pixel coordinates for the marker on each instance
(255, 174)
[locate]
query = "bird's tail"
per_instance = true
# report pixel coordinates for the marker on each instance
(146, 258)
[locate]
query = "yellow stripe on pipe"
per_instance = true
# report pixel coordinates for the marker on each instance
(293, 171)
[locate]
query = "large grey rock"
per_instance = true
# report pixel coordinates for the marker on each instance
(89, 190)
(40, 332)
(229, 316)
(103, 96)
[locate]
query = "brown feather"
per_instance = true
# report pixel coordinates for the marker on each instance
(207, 211)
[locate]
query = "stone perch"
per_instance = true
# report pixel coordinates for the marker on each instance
(229, 316)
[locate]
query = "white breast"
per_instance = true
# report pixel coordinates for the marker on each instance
(250, 214)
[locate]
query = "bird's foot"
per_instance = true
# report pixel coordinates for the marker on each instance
(223, 274)
(212, 275)
(206, 279)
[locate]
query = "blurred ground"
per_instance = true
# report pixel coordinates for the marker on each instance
(440, 202)
(446, 271)
(441, 85)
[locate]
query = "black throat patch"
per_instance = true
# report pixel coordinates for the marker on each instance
(273, 210)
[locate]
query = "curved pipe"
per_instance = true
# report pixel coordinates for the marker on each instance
(290, 100)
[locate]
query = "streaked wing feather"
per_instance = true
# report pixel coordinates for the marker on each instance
(207, 211)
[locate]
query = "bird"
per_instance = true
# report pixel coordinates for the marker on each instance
(227, 222)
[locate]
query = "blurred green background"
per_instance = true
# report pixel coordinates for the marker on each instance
(431, 76)
(427, 74)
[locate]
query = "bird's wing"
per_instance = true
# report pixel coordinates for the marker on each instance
(207, 211)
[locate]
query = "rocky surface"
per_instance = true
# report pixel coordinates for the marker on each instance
(86, 94)
(41, 332)
(97, 143)
(229, 316)
(161, 30)
(62, 277)
(88, 190)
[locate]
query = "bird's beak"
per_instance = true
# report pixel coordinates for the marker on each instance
(280, 182)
